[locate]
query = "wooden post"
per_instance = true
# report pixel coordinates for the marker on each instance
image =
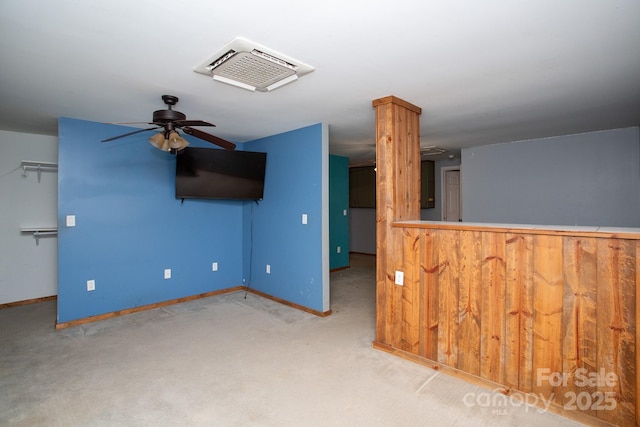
(397, 199)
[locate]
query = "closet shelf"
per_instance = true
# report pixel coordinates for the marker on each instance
(39, 232)
(29, 165)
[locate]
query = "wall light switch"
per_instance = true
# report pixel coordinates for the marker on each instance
(167, 273)
(339, 249)
(399, 278)
(344, 212)
(214, 266)
(71, 220)
(268, 269)
(91, 285)
(304, 218)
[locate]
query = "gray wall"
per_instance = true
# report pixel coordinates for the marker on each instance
(362, 230)
(27, 271)
(584, 179)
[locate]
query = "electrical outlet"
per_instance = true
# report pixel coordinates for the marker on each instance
(167, 273)
(399, 278)
(71, 220)
(214, 266)
(268, 269)
(91, 285)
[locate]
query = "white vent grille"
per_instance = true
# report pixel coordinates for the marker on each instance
(250, 66)
(432, 150)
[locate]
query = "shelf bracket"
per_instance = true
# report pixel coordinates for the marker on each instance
(39, 167)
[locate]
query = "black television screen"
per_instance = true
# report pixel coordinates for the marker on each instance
(210, 173)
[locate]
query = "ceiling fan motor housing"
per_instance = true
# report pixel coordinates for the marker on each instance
(164, 116)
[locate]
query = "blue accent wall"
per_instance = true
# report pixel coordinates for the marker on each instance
(294, 184)
(338, 204)
(130, 227)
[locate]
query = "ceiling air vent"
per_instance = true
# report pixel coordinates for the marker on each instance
(250, 66)
(431, 150)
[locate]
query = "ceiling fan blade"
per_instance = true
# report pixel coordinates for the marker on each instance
(128, 134)
(193, 123)
(227, 145)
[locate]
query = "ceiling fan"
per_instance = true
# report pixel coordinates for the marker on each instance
(170, 120)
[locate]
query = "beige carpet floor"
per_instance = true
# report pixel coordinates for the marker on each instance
(232, 360)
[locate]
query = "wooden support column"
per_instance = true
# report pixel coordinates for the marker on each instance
(397, 199)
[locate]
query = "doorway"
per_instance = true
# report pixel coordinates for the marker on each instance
(451, 197)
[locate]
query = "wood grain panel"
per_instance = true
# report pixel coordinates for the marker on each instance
(469, 301)
(519, 312)
(492, 341)
(423, 316)
(448, 299)
(384, 217)
(411, 291)
(579, 316)
(637, 326)
(616, 313)
(548, 292)
(432, 285)
(395, 244)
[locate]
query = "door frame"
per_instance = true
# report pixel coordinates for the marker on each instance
(443, 170)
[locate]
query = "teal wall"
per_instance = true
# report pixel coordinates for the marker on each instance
(338, 212)
(130, 227)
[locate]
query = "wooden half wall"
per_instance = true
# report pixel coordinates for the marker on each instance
(535, 311)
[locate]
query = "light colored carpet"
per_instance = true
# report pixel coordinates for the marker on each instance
(231, 360)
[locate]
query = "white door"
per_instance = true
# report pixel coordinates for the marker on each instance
(451, 208)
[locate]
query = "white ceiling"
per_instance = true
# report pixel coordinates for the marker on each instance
(483, 72)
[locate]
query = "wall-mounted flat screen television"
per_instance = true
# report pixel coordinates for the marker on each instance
(211, 173)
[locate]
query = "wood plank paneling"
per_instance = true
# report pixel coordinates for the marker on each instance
(492, 327)
(411, 292)
(547, 315)
(616, 356)
(469, 301)
(519, 312)
(448, 299)
(637, 326)
(423, 316)
(539, 313)
(579, 317)
(551, 312)
(432, 285)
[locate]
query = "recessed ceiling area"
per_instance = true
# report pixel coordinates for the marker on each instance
(482, 72)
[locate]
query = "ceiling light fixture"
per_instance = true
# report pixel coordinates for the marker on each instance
(250, 66)
(168, 141)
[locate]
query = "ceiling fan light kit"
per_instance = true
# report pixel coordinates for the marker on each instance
(248, 65)
(169, 120)
(158, 140)
(168, 142)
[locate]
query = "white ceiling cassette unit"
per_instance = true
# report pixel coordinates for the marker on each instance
(251, 66)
